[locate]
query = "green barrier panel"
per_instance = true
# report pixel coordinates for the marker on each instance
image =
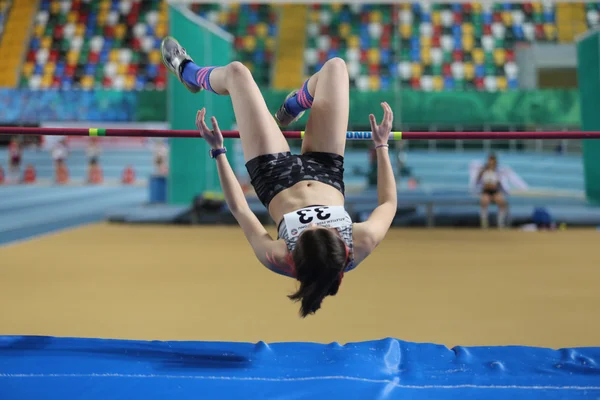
(192, 171)
(588, 65)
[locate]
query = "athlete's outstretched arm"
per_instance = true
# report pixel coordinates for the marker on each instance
(373, 230)
(255, 232)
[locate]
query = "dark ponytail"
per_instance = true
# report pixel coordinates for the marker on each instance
(319, 259)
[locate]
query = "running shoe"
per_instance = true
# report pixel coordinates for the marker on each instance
(175, 57)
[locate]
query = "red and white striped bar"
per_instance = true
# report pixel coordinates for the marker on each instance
(351, 135)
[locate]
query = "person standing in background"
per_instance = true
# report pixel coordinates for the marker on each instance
(15, 154)
(93, 152)
(161, 158)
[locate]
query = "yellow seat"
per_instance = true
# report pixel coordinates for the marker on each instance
(49, 68)
(336, 7)
(54, 7)
(120, 31)
(374, 83)
(405, 6)
(469, 71)
(223, 18)
(436, 18)
(262, 30)
(46, 42)
(38, 31)
(80, 30)
(405, 31)
(353, 42)
(28, 69)
(375, 16)
(537, 7)
(467, 29)
(313, 16)
(72, 57)
(426, 55)
(501, 83)
(249, 43)
(438, 83)
(468, 43)
(87, 82)
(425, 41)
(113, 56)
(101, 18)
(249, 65)
(507, 18)
(478, 56)
(154, 57)
(499, 57)
(374, 56)
(416, 70)
(550, 31)
(46, 81)
(130, 82)
(104, 5)
(345, 30)
(72, 17)
(161, 30)
(122, 69)
(476, 6)
(270, 43)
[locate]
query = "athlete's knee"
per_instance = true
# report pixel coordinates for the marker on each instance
(336, 65)
(237, 70)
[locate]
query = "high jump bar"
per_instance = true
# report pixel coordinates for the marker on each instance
(350, 135)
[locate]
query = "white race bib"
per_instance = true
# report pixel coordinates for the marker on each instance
(326, 216)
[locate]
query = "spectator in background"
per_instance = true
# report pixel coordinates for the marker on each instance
(60, 152)
(15, 153)
(491, 192)
(161, 158)
(93, 152)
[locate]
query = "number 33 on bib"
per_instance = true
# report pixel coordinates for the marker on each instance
(325, 216)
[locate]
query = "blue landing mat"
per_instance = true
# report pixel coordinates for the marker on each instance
(35, 367)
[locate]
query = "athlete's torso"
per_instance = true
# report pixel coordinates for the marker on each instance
(490, 179)
(303, 194)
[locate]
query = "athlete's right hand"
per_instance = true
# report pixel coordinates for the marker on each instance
(381, 133)
(213, 137)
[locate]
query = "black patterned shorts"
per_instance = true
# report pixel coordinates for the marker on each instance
(273, 173)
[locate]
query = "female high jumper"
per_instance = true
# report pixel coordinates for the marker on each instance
(304, 194)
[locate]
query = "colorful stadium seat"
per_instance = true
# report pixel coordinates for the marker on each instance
(363, 35)
(254, 27)
(96, 43)
(468, 45)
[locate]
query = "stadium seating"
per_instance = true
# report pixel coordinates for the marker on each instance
(428, 46)
(254, 27)
(96, 43)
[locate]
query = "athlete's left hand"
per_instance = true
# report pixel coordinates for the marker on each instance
(213, 137)
(381, 133)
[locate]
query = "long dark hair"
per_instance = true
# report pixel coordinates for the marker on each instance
(319, 259)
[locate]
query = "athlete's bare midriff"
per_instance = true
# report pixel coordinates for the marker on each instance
(304, 194)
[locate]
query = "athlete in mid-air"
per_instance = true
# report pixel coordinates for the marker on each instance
(304, 193)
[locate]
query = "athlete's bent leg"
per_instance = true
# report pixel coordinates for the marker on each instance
(326, 94)
(258, 130)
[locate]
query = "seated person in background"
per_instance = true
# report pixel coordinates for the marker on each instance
(491, 191)
(59, 155)
(95, 175)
